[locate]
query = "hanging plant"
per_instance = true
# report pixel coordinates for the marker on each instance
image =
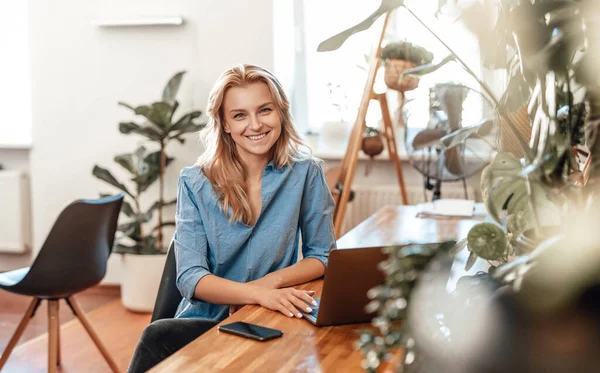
(372, 145)
(399, 57)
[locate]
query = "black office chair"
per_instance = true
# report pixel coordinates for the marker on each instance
(73, 258)
(168, 297)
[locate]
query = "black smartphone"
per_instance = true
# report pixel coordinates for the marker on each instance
(252, 331)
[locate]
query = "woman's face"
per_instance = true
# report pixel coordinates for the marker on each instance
(250, 116)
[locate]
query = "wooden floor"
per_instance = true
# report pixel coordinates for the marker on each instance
(118, 328)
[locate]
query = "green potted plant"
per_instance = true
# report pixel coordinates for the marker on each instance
(400, 56)
(140, 239)
(550, 50)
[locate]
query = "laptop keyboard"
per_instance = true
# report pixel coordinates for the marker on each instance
(315, 309)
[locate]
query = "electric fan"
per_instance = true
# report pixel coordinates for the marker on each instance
(451, 137)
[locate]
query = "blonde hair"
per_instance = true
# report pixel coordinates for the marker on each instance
(220, 162)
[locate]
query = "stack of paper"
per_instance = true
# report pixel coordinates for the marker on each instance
(448, 207)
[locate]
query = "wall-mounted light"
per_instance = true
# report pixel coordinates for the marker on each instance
(139, 22)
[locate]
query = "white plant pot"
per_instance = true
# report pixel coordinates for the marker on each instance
(140, 281)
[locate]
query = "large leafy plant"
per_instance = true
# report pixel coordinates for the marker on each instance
(159, 127)
(550, 49)
(547, 47)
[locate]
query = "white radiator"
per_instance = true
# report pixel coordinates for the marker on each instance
(369, 199)
(15, 216)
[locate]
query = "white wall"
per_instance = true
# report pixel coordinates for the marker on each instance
(80, 71)
(14, 159)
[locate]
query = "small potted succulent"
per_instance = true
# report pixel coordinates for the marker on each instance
(400, 56)
(372, 145)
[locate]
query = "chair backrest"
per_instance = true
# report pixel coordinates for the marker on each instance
(168, 297)
(76, 250)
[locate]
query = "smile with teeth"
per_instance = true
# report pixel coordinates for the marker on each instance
(258, 137)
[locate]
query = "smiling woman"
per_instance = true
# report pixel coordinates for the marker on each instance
(240, 214)
(252, 121)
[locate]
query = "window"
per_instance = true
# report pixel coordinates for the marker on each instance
(328, 86)
(15, 82)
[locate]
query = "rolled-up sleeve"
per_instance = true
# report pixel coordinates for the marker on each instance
(316, 216)
(190, 242)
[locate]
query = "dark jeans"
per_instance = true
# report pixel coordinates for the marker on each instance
(162, 338)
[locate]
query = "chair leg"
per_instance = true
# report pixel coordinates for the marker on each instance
(58, 334)
(88, 327)
(19, 332)
(52, 335)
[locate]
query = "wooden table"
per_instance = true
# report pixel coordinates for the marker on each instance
(399, 225)
(304, 347)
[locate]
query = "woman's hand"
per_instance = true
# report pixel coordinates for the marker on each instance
(287, 301)
(269, 282)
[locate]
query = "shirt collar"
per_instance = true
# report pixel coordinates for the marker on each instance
(271, 166)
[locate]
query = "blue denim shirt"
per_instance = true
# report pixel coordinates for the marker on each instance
(295, 199)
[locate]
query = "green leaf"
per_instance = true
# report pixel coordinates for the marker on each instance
(153, 160)
(148, 178)
(159, 113)
(105, 175)
(163, 111)
(186, 120)
(131, 228)
(488, 241)
(504, 189)
(428, 68)
(175, 107)
(128, 127)
(337, 40)
(472, 259)
(458, 247)
(147, 246)
(128, 228)
(127, 106)
(127, 209)
(132, 231)
(124, 249)
(134, 162)
(180, 139)
(147, 131)
(458, 137)
(172, 87)
(127, 162)
(190, 128)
